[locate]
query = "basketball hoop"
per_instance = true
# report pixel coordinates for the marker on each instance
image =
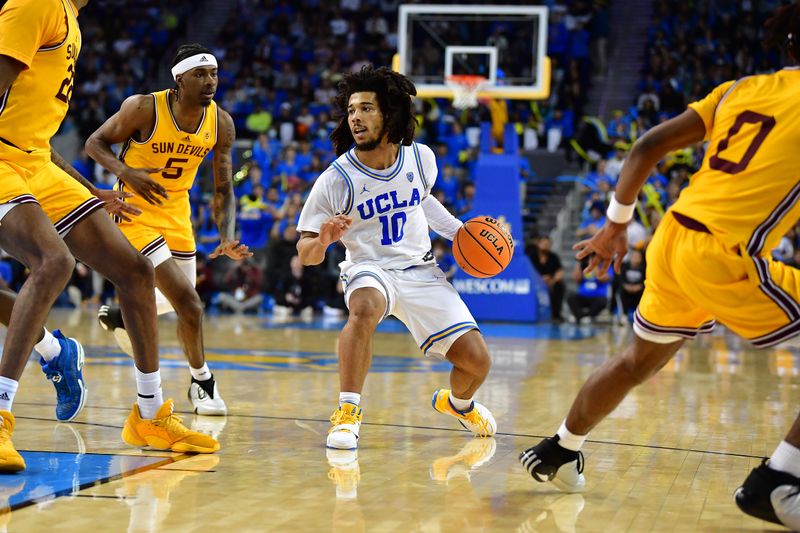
(466, 88)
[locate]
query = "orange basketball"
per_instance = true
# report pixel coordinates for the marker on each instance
(483, 247)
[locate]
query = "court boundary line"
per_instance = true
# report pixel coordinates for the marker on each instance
(404, 426)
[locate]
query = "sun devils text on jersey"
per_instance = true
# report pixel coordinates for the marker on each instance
(179, 154)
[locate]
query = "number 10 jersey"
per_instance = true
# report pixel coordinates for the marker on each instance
(179, 153)
(389, 226)
(747, 189)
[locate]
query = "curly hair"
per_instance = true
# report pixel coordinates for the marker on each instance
(393, 91)
(782, 30)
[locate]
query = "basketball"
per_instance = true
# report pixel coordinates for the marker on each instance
(483, 247)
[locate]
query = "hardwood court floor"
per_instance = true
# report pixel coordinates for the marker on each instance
(668, 459)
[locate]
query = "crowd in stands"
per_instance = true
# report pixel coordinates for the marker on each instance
(279, 64)
(692, 48)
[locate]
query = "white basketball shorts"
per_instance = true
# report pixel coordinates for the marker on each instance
(420, 297)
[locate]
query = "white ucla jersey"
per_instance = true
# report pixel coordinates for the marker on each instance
(389, 226)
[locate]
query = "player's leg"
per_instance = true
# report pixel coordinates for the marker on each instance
(97, 242)
(443, 327)
(70, 389)
(175, 280)
(665, 317)
(370, 295)
(176, 274)
(94, 239)
(558, 458)
(367, 306)
(471, 363)
(48, 345)
(772, 490)
(27, 234)
(151, 244)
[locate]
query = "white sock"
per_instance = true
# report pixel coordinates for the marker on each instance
(569, 440)
(349, 397)
(8, 388)
(48, 347)
(149, 397)
(786, 458)
(200, 374)
(459, 404)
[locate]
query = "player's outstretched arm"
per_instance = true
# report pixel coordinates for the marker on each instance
(609, 245)
(311, 246)
(224, 199)
(674, 134)
(439, 218)
(135, 119)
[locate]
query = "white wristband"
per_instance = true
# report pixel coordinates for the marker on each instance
(619, 213)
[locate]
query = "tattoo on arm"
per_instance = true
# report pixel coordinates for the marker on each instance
(224, 199)
(62, 163)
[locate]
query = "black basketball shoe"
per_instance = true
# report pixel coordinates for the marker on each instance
(771, 495)
(548, 461)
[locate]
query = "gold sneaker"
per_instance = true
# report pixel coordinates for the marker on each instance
(165, 432)
(10, 459)
(346, 421)
(478, 419)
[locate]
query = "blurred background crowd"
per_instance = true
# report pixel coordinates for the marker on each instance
(279, 68)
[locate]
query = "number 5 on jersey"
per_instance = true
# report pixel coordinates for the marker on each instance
(175, 171)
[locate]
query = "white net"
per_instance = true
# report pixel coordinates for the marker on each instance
(466, 90)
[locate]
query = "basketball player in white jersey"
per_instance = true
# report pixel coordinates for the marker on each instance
(376, 198)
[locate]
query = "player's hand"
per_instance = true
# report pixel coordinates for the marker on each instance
(114, 203)
(142, 184)
(333, 229)
(232, 249)
(608, 246)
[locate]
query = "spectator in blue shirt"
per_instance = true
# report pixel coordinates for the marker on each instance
(596, 220)
(592, 294)
(447, 182)
(84, 165)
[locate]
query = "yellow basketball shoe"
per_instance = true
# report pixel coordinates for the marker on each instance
(165, 432)
(346, 421)
(10, 459)
(478, 419)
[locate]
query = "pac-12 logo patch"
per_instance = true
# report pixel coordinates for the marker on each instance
(410, 176)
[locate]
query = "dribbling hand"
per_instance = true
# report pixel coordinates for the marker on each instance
(334, 228)
(607, 246)
(142, 184)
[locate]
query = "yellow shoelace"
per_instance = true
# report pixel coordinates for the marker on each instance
(476, 419)
(340, 417)
(172, 423)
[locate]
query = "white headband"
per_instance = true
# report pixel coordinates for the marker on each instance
(199, 60)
